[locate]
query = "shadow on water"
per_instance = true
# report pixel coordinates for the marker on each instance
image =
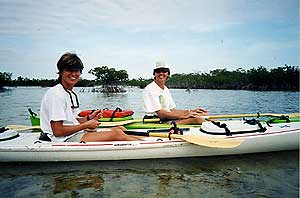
(253, 175)
(3, 89)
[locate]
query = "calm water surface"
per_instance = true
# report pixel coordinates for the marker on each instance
(255, 175)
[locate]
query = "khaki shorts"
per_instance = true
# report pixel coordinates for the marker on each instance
(75, 138)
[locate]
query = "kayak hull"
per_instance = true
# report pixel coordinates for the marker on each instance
(27, 147)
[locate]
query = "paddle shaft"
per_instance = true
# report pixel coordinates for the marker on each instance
(150, 131)
(250, 115)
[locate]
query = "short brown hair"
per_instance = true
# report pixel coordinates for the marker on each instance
(69, 61)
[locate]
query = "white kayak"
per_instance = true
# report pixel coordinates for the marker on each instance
(240, 136)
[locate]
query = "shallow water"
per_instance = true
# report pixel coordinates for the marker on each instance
(254, 175)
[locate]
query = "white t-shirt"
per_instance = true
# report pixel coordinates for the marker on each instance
(156, 99)
(56, 106)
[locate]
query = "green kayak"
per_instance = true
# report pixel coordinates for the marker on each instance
(131, 123)
(35, 120)
(148, 125)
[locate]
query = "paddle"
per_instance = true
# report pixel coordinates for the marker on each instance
(22, 127)
(250, 115)
(193, 138)
(125, 122)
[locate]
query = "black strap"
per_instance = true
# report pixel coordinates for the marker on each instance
(118, 109)
(175, 129)
(254, 122)
(224, 126)
(32, 113)
(2, 129)
(167, 130)
(76, 97)
(44, 137)
(149, 117)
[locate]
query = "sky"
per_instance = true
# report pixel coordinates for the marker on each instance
(189, 35)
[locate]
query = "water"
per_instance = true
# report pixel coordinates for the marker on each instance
(254, 175)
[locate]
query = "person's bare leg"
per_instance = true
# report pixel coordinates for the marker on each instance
(108, 134)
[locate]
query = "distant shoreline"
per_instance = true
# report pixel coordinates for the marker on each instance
(284, 78)
(7, 88)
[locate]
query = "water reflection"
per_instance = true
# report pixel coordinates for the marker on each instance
(64, 183)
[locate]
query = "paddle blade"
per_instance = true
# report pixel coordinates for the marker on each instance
(202, 140)
(294, 115)
(211, 142)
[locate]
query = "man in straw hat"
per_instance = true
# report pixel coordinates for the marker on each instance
(158, 100)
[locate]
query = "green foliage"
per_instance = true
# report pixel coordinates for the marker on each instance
(140, 82)
(5, 79)
(109, 76)
(86, 83)
(281, 78)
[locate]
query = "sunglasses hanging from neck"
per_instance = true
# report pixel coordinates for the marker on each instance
(71, 98)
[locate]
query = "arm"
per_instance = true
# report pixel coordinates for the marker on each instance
(60, 130)
(175, 114)
(63, 130)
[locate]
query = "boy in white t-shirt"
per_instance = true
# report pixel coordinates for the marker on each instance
(60, 107)
(158, 100)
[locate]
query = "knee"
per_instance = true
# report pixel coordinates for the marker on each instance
(122, 128)
(119, 133)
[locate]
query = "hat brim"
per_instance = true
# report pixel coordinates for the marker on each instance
(155, 70)
(162, 67)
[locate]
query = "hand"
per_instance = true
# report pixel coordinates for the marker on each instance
(195, 115)
(200, 111)
(92, 124)
(96, 115)
(190, 114)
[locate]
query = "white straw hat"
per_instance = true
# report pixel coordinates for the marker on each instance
(161, 64)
